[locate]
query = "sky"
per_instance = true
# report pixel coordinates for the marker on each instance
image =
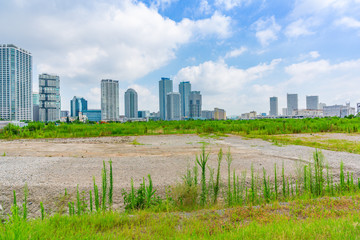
(238, 53)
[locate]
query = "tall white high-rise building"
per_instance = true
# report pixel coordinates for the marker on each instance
(312, 102)
(195, 104)
(15, 83)
(109, 100)
(274, 106)
(49, 98)
(165, 87)
(173, 105)
(292, 103)
(184, 90)
(131, 103)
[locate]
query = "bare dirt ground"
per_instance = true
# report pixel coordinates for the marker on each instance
(48, 166)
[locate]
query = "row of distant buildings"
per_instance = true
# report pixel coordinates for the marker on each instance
(313, 108)
(18, 102)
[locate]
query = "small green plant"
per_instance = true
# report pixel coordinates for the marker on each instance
(42, 210)
(143, 197)
(229, 193)
(96, 196)
(4, 154)
(91, 201)
(217, 183)
(135, 142)
(111, 183)
(25, 209)
(104, 186)
(275, 182)
(78, 204)
(201, 161)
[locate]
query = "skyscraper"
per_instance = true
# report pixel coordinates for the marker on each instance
(292, 103)
(78, 104)
(195, 104)
(165, 87)
(109, 100)
(49, 98)
(131, 103)
(173, 105)
(273, 106)
(312, 102)
(184, 90)
(15, 83)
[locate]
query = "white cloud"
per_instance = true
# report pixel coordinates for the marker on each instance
(218, 25)
(337, 82)
(85, 43)
(299, 28)
(321, 7)
(236, 52)
(230, 4)
(124, 42)
(162, 3)
(93, 97)
(322, 70)
(222, 85)
(314, 54)
(266, 30)
(348, 22)
(204, 7)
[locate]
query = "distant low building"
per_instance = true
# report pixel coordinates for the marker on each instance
(219, 114)
(64, 114)
(308, 112)
(338, 111)
(143, 114)
(321, 105)
(16, 123)
(207, 114)
(154, 116)
(93, 115)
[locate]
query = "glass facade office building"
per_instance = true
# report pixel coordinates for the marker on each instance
(78, 104)
(49, 98)
(15, 83)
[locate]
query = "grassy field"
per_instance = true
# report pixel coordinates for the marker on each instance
(275, 130)
(310, 205)
(263, 127)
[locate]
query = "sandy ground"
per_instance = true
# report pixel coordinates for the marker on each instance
(48, 166)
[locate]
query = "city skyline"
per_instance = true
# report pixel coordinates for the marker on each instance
(238, 53)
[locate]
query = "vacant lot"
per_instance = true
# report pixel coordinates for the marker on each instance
(49, 166)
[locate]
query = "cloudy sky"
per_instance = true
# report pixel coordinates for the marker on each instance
(238, 53)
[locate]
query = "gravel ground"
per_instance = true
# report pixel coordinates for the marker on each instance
(48, 166)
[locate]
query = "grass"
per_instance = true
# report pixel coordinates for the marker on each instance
(325, 218)
(216, 129)
(135, 142)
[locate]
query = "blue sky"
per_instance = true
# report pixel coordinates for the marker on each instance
(238, 53)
